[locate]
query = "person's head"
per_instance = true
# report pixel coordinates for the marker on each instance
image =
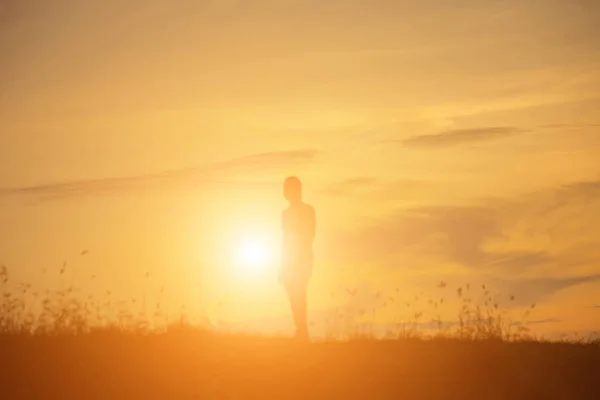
(292, 189)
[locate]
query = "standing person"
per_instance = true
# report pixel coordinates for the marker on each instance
(298, 223)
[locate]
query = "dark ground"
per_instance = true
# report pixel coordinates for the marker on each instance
(202, 366)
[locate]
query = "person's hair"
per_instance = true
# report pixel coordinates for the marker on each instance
(292, 188)
(292, 181)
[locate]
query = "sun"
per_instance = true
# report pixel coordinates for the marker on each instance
(252, 254)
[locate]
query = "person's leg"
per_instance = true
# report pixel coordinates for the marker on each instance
(297, 297)
(292, 297)
(302, 324)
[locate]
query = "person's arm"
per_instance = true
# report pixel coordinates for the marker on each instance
(283, 255)
(312, 224)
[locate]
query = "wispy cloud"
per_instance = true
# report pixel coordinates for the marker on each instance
(402, 190)
(461, 235)
(527, 291)
(459, 137)
(349, 185)
(238, 171)
(568, 126)
(587, 190)
(455, 233)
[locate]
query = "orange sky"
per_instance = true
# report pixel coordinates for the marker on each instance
(456, 142)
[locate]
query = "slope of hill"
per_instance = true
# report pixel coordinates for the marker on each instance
(188, 364)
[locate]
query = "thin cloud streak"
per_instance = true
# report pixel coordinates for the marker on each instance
(460, 235)
(527, 291)
(459, 137)
(349, 186)
(231, 172)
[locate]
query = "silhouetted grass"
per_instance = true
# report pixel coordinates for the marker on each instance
(67, 311)
(73, 346)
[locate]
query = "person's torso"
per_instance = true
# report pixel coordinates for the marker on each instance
(298, 223)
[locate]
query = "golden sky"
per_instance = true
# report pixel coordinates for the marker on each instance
(454, 141)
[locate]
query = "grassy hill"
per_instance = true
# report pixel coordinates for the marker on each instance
(70, 350)
(187, 364)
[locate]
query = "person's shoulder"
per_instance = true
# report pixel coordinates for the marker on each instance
(308, 208)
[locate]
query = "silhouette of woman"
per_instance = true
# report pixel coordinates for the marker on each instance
(298, 223)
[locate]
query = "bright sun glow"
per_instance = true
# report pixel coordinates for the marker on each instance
(252, 255)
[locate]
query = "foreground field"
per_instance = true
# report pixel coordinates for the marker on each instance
(187, 365)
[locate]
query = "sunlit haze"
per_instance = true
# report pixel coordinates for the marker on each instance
(253, 254)
(441, 143)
